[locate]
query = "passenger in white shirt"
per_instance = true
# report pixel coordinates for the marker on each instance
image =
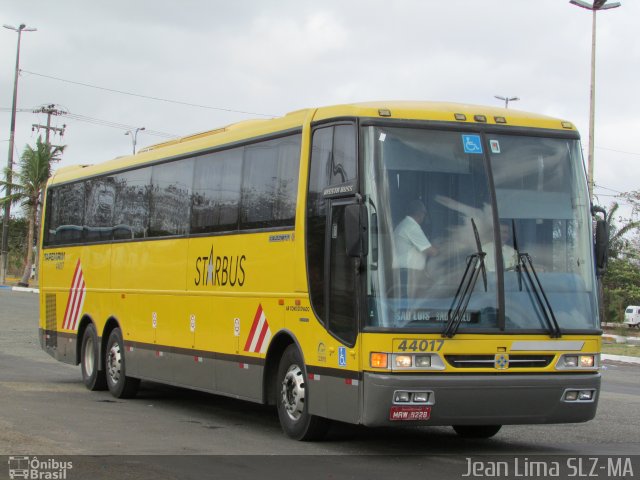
(509, 254)
(412, 247)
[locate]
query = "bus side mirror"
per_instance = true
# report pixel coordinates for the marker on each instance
(602, 241)
(356, 228)
(602, 246)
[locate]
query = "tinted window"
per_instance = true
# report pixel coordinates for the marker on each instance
(99, 205)
(333, 162)
(317, 215)
(342, 305)
(170, 198)
(131, 216)
(343, 162)
(67, 214)
(216, 192)
(270, 183)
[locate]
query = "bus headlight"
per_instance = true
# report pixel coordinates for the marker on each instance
(587, 361)
(423, 361)
(405, 361)
(572, 361)
(402, 361)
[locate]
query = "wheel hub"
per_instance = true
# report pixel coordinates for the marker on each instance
(114, 363)
(89, 352)
(293, 392)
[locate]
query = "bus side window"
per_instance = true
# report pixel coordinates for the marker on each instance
(131, 212)
(66, 219)
(99, 203)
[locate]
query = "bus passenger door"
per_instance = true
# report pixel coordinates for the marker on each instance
(342, 319)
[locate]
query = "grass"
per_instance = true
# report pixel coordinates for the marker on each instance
(621, 349)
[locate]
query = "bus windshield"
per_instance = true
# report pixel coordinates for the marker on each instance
(480, 225)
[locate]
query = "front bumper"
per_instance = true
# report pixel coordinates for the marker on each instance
(483, 399)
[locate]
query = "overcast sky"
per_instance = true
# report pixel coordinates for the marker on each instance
(249, 57)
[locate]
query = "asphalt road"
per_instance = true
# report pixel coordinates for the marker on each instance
(45, 410)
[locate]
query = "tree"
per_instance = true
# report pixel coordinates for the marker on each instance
(619, 244)
(621, 283)
(34, 169)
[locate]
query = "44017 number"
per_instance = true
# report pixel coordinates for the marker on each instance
(411, 345)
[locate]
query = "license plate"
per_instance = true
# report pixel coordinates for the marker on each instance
(408, 414)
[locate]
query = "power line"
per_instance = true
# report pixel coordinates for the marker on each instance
(132, 94)
(617, 151)
(120, 126)
(100, 122)
(607, 188)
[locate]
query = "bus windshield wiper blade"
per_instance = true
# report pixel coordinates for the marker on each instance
(525, 264)
(475, 265)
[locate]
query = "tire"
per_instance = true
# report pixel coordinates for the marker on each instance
(293, 399)
(477, 431)
(118, 383)
(92, 377)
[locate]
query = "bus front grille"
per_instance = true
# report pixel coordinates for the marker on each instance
(488, 361)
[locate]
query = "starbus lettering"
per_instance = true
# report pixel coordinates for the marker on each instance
(215, 270)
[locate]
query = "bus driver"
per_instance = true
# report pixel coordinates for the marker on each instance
(412, 247)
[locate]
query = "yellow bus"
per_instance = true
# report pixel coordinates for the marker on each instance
(381, 263)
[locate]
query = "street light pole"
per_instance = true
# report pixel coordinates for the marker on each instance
(597, 5)
(134, 136)
(4, 252)
(506, 100)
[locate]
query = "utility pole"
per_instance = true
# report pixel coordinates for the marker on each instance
(595, 7)
(49, 110)
(4, 247)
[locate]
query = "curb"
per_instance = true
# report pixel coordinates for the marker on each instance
(620, 358)
(24, 289)
(621, 339)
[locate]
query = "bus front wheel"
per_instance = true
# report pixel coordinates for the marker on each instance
(477, 431)
(119, 384)
(92, 377)
(293, 399)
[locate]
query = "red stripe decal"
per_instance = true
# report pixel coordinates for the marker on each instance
(71, 299)
(78, 303)
(256, 320)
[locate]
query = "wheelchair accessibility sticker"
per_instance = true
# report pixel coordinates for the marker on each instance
(472, 144)
(342, 356)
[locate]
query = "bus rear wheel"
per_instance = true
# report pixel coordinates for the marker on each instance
(119, 384)
(92, 377)
(293, 399)
(477, 431)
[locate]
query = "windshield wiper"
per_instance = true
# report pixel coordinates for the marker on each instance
(525, 264)
(475, 266)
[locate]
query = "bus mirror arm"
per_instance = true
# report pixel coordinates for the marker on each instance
(356, 230)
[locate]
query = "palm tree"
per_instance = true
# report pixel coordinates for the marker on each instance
(27, 187)
(618, 244)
